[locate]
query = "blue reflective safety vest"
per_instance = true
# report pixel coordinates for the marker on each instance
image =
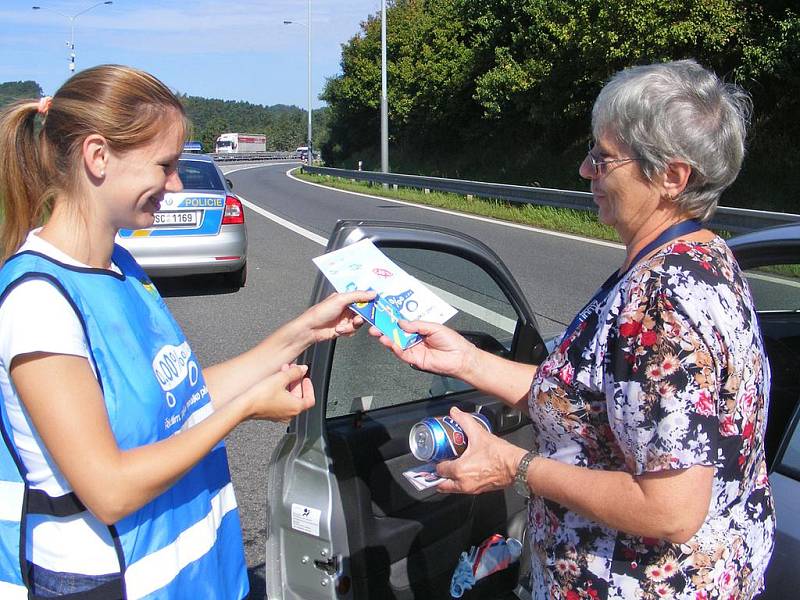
(185, 543)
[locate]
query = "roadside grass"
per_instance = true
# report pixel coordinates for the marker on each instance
(577, 222)
(788, 271)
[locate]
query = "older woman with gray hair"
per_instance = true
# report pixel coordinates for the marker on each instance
(647, 477)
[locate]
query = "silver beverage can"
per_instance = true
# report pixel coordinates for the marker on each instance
(436, 439)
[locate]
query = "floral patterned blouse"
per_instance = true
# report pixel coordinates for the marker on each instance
(667, 371)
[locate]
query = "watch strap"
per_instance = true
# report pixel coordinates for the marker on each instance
(521, 477)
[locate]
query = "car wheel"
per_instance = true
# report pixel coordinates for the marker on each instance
(236, 279)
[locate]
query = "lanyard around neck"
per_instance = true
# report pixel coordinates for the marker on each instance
(670, 233)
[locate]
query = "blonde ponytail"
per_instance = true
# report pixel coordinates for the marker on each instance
(22, 179)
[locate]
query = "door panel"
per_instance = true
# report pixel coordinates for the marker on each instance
(405, 543)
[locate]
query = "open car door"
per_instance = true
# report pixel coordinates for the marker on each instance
(342, 519)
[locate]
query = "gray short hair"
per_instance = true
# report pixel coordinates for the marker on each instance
(678, 111)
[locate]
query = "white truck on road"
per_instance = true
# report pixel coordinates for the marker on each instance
(229, 143)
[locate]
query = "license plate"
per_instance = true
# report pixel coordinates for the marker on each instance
(186, 218)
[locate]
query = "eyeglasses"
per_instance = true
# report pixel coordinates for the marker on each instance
(601, 166)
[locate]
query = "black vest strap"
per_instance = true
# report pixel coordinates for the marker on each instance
(61, 506)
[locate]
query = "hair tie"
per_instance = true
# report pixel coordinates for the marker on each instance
(44, 105)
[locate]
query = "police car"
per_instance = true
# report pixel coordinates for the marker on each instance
(200, 230)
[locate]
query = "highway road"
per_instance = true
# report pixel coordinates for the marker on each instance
(288, 223)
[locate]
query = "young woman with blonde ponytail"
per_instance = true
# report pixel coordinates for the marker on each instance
(99, 496)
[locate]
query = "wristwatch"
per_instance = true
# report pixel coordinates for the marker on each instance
(521, 478)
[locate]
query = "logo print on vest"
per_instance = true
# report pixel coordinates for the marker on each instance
(171, 365)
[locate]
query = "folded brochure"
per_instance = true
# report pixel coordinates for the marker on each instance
(362, 266)
(424, 476)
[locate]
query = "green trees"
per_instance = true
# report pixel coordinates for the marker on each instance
(431, 71)
(502, 89)
(284, 126)
(17, 90)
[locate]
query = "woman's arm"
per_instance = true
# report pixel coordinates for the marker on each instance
(324, 321)
(670, 505)
(504, 379)
(446, 352)
(64, 400)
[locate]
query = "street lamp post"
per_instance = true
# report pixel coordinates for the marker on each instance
(384, 99)
(307, 25)
(71, 18)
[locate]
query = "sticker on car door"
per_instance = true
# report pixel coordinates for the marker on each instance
(306, 519)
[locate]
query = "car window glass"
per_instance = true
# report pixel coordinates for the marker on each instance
(366, 376)
(197, 175)
(776, 293)
(791, 455)
(775, 287)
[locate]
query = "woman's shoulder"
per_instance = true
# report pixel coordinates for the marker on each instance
(36, 317)
(686, 277)
(685, 264)
(698, 252)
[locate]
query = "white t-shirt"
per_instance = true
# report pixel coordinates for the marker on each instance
(36, 317)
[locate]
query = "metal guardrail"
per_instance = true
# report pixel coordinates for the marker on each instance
(735, 220)
(252, 156)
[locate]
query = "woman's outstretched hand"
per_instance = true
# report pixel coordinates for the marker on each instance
(441, 350)
(333, 317)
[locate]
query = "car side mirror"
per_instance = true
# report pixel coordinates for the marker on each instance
(229, 182)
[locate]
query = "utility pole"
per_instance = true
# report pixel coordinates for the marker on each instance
(307, 25)
(310, 147)
(384, 100)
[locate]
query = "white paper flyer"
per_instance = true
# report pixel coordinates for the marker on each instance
(362, 266)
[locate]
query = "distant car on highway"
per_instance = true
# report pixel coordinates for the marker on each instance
(200, 230)
(344, 519)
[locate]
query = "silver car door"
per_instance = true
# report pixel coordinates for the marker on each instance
(343, 521)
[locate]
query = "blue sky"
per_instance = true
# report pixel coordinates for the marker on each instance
(235, 50)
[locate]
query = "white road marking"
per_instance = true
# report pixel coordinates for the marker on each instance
(771, 279)
(283, 222)
(258, 166)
